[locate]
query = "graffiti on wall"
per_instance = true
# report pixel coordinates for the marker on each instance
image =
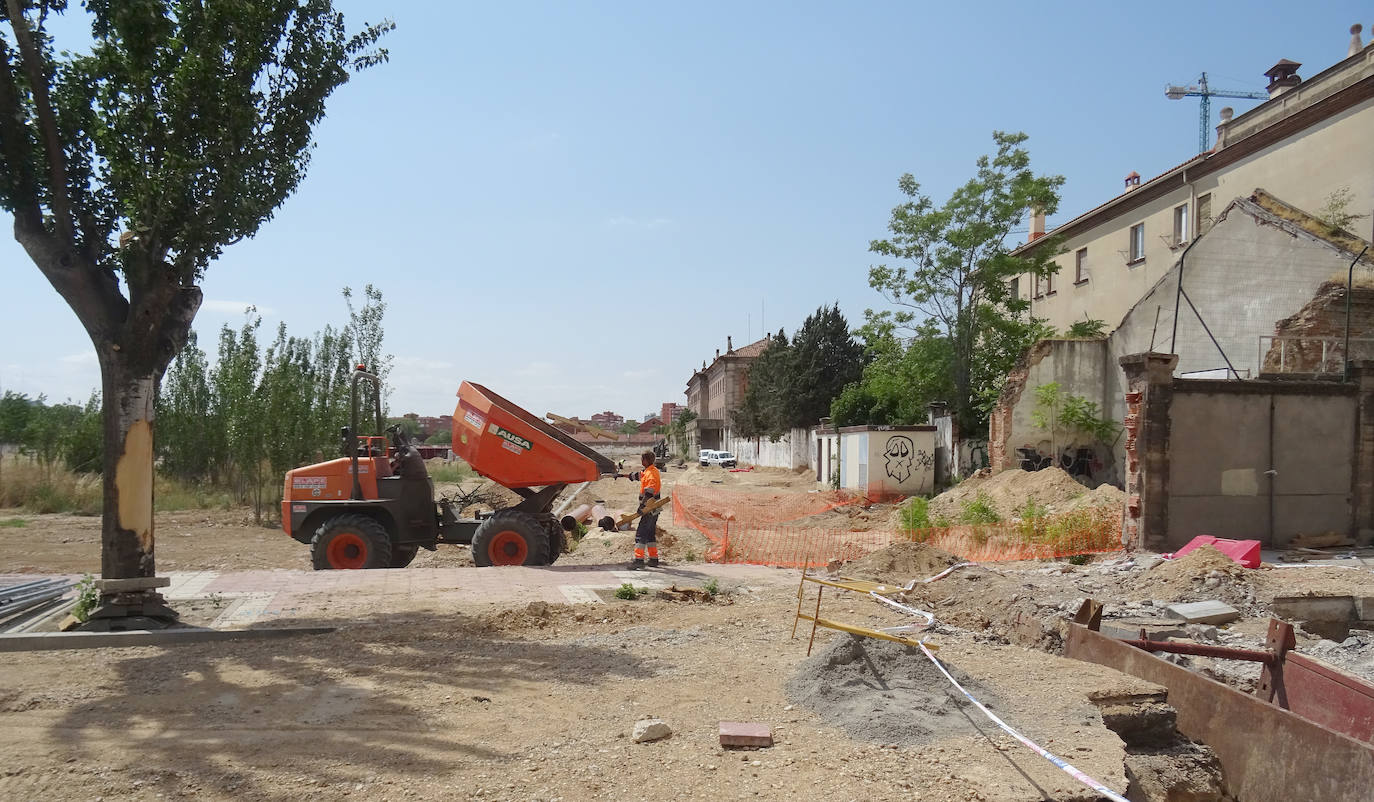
(1077, 461)
(899, 452)
(973, 457)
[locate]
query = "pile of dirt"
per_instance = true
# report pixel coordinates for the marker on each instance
(883, 692)
(1008, 492)
(900, 563)
(1201, 574)
(1104, 496)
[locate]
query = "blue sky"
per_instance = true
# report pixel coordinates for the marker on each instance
(575, 203)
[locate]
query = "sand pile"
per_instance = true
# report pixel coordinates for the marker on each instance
(1202, 574)
(1008, 493)
(1104, 496)
(900, 563)
(883, 692)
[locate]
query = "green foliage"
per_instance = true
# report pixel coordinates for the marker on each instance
(13, 523)
(900, 380)
(626, 591)
(580, 529)
(1033, 511)
(16, 409)
(628, 427)
(1079, 559)
(951, 273)
(795, 384)
(916, 513)
(365, 328)
(410, 426)
(1057, 412)
(1335, 210)
(1087, 329)
(87, 597)
(454, 472)
(442, 437)
(711, 586)
(677, 435)
(979, 510)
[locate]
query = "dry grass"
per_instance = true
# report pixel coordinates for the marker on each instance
(27, 485)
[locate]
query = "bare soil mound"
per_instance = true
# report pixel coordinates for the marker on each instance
(1202, 574)
(1008, 492)
(883, 692)
(1103, 496)
(900, 563)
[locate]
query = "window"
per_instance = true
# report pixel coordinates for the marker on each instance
(1137, 253)
(1039, 293)
(1049, 284)
(1180, 224)
(1080, 267)
(1204, 212)
(1014, 287)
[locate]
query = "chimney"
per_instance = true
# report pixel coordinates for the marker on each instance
(729, 344)
(1226, 114)
(1037, 225)
(1132, 181)
(717, 353)
(1355, 45)
(1282, 77)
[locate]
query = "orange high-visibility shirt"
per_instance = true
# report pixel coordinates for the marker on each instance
(648, 480)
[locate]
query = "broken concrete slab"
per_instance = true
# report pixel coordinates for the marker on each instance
(1155, 628)
(1315, 608)
(1203, 612)
(745, 733)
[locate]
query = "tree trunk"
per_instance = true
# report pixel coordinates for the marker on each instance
(127, 526)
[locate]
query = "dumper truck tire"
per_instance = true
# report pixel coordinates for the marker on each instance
(556, 537)
(347, 542)
(510, 537)
(401, 556)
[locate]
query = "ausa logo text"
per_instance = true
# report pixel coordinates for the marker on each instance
(510, 437)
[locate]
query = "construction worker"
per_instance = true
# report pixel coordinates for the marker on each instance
(650, 487)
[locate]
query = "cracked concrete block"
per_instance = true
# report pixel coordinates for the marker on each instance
(1203, 612)
(1315, 608)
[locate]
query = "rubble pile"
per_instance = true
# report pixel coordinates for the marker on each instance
(1008, 493)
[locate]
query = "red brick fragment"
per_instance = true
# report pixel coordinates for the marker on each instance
(745, 733)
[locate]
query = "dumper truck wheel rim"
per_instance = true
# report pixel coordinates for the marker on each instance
(347, 551)
(508, 548)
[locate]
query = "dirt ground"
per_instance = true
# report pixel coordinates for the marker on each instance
(408, 699)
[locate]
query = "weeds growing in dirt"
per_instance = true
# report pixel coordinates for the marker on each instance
(13, 523)
(711, 586)
(627, 592)
(453, 472)
(690, 557)
(979, 510)
(916, 513)
(25, 485)
(87, 597)
(1079, 559)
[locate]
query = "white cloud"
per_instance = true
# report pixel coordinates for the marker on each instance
(639, 375)
(82, 358)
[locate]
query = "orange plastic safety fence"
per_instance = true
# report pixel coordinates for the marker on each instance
(710, 510)
(796, 545)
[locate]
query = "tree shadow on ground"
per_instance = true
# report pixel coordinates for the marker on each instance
(374, 697)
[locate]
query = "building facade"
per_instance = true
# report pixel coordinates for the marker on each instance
(717, 390)
(1311, 141)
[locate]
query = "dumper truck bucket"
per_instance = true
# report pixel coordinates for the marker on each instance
(515, 449)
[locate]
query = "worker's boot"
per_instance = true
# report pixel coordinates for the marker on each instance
(636, 564)
(653, 562)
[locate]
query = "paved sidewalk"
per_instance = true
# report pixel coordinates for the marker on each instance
(255, 596)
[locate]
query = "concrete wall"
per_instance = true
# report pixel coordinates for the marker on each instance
(1080, 368)
(793, 450)
(1303, 169)
(1225, 439)
(827, 445)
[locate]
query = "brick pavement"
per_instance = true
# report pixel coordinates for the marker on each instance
(255, 596)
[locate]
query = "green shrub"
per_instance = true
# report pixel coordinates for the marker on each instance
(451, 472)
(1079, 559)
(916, 513)
(13, 523)
(626, 591)
(711, 586)
(87, 597)
(979, 510)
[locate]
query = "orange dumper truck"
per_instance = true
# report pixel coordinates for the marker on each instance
(374, 507)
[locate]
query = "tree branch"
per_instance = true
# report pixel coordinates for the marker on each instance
(47, 123)
(13, 138)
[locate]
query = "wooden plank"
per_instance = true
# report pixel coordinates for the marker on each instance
(854, 629)
(652, 506)
(50, 641)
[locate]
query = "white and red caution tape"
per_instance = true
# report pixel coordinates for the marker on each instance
(1063, 764)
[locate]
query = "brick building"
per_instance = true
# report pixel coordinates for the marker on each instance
(717, 390)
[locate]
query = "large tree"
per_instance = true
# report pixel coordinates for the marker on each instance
(953, 266)
(128, 170)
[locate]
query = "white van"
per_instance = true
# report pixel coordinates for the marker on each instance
(722, 458)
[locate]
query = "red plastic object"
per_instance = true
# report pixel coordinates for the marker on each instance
(1245, 552)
